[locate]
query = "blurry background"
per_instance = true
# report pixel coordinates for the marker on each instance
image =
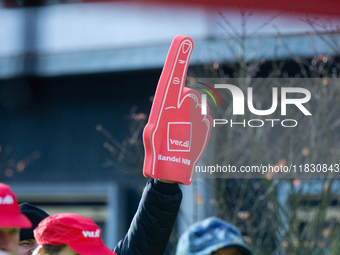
(76, 86)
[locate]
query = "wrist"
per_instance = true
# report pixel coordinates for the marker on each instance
(165, 187)
(166, 181)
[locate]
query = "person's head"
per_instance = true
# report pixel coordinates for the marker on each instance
(69, 234)
(11, 220)
(27, 243)
(212, 236)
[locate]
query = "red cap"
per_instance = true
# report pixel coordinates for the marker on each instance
(10, 215)
(80, 233)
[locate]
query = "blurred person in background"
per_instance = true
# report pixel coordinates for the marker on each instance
(11, 220)
(27, 243)
(212, 236)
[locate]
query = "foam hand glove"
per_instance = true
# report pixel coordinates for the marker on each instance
(176, 134)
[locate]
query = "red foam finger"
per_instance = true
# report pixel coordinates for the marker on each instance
(176, 134)
(172, 80)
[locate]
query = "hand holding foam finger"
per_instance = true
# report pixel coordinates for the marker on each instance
(176, 134)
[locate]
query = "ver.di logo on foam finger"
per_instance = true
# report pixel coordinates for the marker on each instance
(179, 136)
(176, 134)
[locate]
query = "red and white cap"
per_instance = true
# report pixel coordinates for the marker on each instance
(10, 215)
(79, 232)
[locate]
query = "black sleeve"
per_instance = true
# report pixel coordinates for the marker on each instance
(152, 224)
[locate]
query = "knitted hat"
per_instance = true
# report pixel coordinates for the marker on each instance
(35, 215)
(210, 235)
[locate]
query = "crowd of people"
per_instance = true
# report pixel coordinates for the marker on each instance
(26, 229)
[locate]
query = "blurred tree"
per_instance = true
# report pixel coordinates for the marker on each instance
(294, 214)
(128, 153)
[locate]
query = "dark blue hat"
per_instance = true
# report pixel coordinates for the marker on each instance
(210, 235)
(35, 215)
